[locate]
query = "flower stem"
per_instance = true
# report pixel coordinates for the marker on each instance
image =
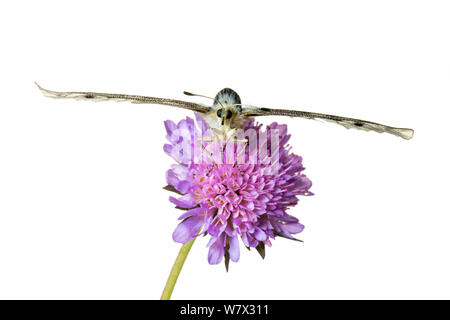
(176, 268)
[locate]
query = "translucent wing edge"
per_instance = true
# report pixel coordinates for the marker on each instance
(97, 97)
(349, 123)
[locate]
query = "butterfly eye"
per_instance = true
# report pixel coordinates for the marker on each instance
(219, 113)
(229, 114)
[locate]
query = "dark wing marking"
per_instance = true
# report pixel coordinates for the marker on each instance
(404, 133)
(97, 96)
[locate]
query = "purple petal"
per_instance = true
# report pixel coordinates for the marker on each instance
(187, 201)
(293, 227)
(303, 183)
(245, 240)
(192, 212)
(168, 148)
(170, 126)
(174, 180)
(187, 229)
(260, 235)
(234, 248)
(216, 251)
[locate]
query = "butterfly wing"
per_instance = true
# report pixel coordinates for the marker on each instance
(97, 96)
(404, 133)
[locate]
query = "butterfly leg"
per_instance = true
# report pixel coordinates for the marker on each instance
(209, 153)
(245, 141)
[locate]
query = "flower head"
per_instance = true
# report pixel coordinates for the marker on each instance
(232, 200)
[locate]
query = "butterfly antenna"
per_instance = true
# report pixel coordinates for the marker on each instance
(196, 95)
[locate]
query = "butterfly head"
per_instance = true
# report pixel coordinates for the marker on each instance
(226, 108)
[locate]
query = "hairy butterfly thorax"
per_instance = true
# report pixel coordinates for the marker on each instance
(226, 111)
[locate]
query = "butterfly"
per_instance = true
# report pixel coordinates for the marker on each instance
(227, 113)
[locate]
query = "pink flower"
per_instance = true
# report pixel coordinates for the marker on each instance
(229, 201)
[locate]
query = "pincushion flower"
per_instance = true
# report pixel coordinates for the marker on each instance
(233, 201)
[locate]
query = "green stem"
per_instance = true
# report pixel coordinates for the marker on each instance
(176, 268)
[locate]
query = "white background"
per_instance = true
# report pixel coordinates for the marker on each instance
(82, 212)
